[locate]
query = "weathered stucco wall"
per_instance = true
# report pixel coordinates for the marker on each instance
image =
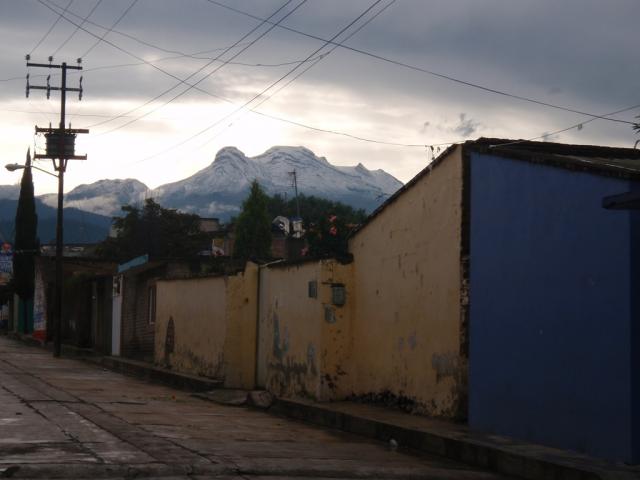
(240, 340)
(191, 325)
(407, 279)
(304, 338)
(213, 326)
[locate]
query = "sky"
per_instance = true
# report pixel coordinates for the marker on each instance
(168, 83)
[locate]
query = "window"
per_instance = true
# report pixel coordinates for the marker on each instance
(151, 305)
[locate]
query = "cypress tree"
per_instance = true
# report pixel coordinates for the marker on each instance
(26, 239)
(253, 227)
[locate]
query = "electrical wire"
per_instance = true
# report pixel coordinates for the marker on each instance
(311, 65)
(264, 90)
(84, 20)
(162, 59)
(274, 117)
(577, 125)
(191, 86)
(117, 47)
(132, 37)
(60, 15)
(124, 14)
(424, 70)
(40, 112)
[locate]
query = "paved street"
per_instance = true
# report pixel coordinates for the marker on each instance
(63, 418)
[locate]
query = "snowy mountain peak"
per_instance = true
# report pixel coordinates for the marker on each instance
(229, 153)
(219, 189)
(117, 187)
(104, 197)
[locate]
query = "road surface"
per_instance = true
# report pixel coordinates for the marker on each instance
(64, 418)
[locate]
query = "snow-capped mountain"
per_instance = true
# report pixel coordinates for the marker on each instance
(9, 192)
(218, 190)
(104, 197)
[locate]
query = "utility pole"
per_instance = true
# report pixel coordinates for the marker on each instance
(294, 175)
(61, 147)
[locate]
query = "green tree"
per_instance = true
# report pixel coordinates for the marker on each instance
(327, 223)
(253, 226)
(156, 231)
(26, 243)
(315, 210)
(636, 127)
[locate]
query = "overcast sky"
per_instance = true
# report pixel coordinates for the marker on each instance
(577, 54)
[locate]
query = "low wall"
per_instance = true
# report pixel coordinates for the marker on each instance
(304, 339)
(206, 326)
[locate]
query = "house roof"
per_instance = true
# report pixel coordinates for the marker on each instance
(608, 161)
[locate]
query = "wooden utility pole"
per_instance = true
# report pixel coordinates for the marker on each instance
(60, 148)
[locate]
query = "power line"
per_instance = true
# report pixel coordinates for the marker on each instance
(264, 90)
(313, 64)
(77, 28)
(424, 70)
(124, 14)
(191, 86)
(274, 117)
(36, 112)
(175, 57)
(60, 15)
(577, 125)
(132, 37)
(117, 47)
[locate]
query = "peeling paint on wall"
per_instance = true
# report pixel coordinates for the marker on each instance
(311, 358)
(280, 345)
(445, 364)
(412, 340)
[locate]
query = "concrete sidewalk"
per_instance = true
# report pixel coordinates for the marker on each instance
(416, 433)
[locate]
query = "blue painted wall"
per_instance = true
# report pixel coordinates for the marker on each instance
(553, 294)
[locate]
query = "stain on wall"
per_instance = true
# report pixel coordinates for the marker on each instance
(214, 322)
(304, 339)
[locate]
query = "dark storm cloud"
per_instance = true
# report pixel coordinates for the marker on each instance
(579, 50)
(578, 53)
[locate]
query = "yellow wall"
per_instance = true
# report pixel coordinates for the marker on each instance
(407, 288)
(198, 308)
(214, 324)
(303, 341)
(241, 318)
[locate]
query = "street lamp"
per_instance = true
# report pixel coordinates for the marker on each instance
(12, 167)
(57, 327)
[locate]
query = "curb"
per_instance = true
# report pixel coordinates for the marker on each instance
(499, 454)
(150, 373)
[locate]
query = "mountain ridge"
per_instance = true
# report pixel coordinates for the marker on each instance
(218, 189)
